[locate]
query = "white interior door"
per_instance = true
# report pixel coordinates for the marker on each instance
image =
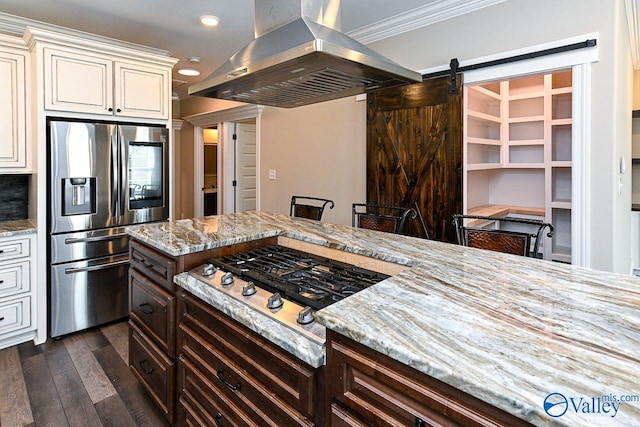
(246, 161)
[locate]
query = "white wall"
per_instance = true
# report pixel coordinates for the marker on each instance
(521, 23)
(316, 150)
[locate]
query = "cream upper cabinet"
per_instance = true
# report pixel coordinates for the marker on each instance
(14, 152)
(142, 91)
(95, 84)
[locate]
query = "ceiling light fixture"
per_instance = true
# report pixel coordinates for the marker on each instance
(189, 72)
(209, 20)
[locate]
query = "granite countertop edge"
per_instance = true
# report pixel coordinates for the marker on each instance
(17, 228)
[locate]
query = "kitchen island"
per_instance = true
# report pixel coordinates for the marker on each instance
(507, 330)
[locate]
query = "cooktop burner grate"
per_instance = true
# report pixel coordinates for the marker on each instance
(299, 276)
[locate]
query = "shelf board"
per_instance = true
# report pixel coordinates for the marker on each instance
(561, 90)
(483, 166)
(526, 142)
(483, 141)
(484, 116)
(635, 161)
(560, 122)
(561, 164)
(530, 95)
(635, 114)
(526, 119)
(559, 204)
(486, 92)
(524, 166)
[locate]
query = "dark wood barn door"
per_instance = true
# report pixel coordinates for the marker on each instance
(414, 153)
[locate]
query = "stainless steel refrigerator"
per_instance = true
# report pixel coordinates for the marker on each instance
(102, 177)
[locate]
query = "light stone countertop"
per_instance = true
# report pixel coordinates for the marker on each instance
(506, 329)
(16, 227)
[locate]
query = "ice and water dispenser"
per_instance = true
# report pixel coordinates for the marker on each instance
(78, 196)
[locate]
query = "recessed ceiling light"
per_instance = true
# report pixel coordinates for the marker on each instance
(209, 20)
(188, 72)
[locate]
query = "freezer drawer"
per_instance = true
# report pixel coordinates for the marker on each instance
(90, 244)
(88, 293)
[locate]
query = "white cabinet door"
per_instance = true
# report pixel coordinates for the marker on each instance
(78, 82)
(13, 148)
(141, 91)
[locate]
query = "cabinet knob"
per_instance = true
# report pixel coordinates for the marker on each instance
(110, 109)
(1, 319)
(118, 110)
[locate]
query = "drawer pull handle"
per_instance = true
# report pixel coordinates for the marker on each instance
(146, 371)
(146, 308)
(1, 282)
(217, 420)
(227, 383)
(1, 318)
(143, 262)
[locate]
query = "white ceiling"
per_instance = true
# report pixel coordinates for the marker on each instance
(173, 25)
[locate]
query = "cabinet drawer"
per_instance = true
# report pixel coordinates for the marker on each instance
(236, 384)
(11, 249)
(153, 309)
(14, 278)
(269, 375)
(381, 391)
(203, 403)
(341, 417)
(157, 267)
(153, 369)
(15, 315)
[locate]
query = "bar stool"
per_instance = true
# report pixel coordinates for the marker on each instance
(307, 210)
(391, 219)
(525, 242)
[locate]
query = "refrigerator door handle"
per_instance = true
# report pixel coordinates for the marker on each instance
(123, 172)
(114, 176)
(72, 270)
(71, 240)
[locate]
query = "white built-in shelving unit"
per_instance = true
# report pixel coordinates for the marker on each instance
(517, 151)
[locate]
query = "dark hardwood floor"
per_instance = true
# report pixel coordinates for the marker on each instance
(80, 380)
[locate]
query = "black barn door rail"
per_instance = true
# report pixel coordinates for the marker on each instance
(454, 69)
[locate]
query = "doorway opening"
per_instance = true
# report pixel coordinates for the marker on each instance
(518, 153)
(210, 186)
(237, 160)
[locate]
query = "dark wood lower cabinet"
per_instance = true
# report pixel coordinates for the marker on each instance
(229, 375)
(367, 388)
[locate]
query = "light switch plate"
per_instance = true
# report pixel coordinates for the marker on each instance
(272, 174)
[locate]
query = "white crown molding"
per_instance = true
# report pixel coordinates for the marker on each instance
(633, 22)
(417, 18)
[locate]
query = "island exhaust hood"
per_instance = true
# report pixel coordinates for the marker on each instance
(300, 57)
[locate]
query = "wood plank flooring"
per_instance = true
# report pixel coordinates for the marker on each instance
(81, 380)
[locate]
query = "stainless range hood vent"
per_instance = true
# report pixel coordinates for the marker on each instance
(300, 57)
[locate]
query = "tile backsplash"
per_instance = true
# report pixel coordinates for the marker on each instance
(14, 197)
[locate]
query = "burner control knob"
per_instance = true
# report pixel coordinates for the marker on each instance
(208, 269)
(249, 289)
(275, 301)
(305, 316)
(227, 279)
